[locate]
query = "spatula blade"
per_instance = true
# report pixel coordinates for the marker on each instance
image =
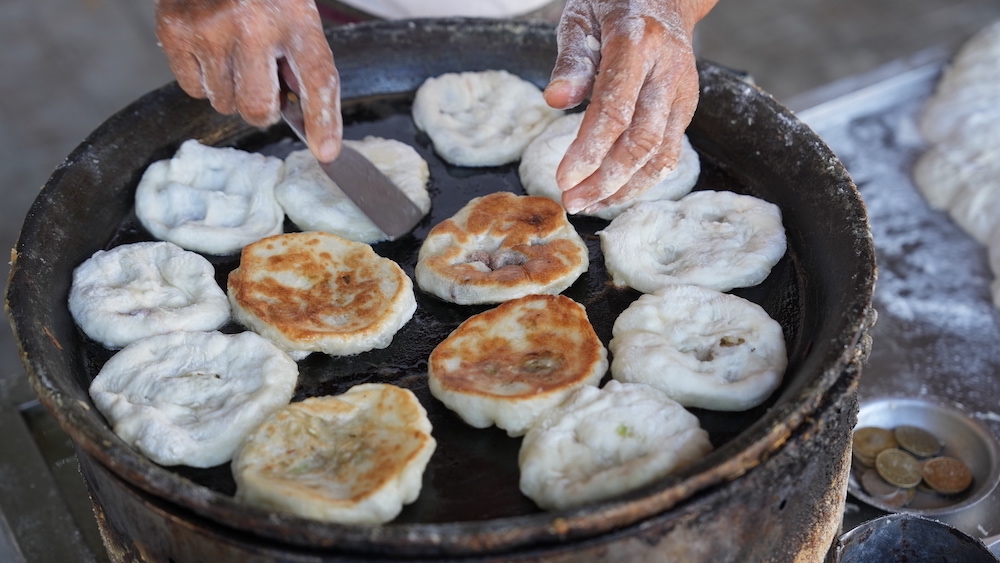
(376, 195)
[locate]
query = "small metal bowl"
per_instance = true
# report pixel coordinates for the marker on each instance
(962, 438)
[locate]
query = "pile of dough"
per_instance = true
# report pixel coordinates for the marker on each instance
(141, 289)
(960, 172)
(499, 247)
(355, 458)
(601, 443)
(318, 292)
(189, 398)
(966, 94)
(482, 118)
(701, 347)
(542, 157)
(508, 365)
(719, 240)
(211, 200)
(315, 203)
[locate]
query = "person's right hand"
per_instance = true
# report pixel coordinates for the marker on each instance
(229, 52)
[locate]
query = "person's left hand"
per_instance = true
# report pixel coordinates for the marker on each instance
(637, 57)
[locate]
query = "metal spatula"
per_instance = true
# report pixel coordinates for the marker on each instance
(375, 194)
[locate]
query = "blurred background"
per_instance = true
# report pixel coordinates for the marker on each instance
(70, 64)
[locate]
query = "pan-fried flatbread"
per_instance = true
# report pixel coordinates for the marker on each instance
(508, 365)
(356, 458)
(318, 292)
(499, 247)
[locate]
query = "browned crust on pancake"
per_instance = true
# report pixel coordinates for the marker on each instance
(559, 349)
(355, 292)
(370, 451)
(521, 221)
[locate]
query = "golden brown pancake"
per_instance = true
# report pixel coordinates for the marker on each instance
(508, 365)
(352, 458)
(318, 292)
(499, 247)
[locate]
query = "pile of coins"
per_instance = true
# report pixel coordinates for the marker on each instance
(893, 464)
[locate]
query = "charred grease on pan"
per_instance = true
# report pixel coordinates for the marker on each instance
(466, 454)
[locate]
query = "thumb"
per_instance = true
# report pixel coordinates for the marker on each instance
(576, 62)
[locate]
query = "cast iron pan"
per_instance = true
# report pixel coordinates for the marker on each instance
(819, 292)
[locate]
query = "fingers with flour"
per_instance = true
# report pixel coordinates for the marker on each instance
(228, 51)
(637, 56)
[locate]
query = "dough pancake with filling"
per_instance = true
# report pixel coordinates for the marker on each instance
(600, 443)
(189, 398)
(214, 200)
(482, 118)
(508, 365)
(701, 347)
(499, 247)
(318, 292)
(137, 290)
(718, 240)
(315, 203)
(356, 458)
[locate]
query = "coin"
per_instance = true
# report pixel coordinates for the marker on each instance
(900, 498)
(898, 467)
(876, 486)
(947, 475)
(871, 440)
(917, 441)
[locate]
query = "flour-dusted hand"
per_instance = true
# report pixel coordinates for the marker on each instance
(636, 58)
(229, 51)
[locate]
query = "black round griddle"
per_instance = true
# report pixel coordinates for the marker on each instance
(820, 291)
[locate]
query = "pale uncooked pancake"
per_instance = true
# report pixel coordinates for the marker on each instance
(966, 161)
(605, 442)
(509, 365)
(499, 247)
(701, 347)
(542, 157)
(189, 398)
(141, 289)
(968, 90)
(960, 172)
(209, 199)
(355, 458)
(318, 292)
(483, 118)
(315, 203)
(719, 240)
